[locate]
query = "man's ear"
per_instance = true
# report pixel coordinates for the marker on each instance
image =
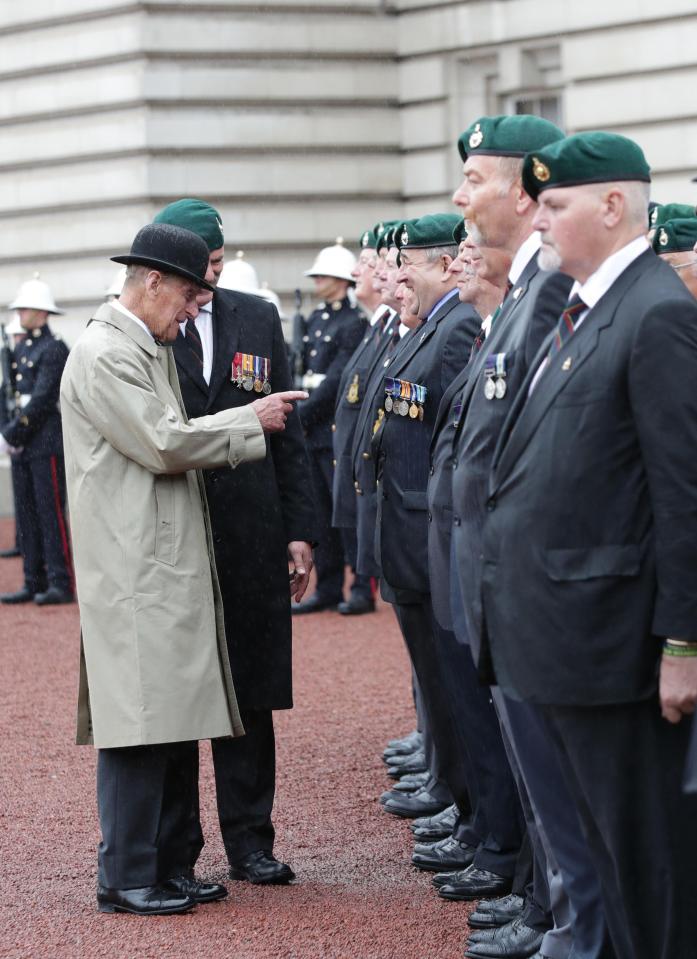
(153, 282)
(615, 203)
(523, 201)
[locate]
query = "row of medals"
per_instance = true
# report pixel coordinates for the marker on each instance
(402, 407)
(249, 383)
(495, 387)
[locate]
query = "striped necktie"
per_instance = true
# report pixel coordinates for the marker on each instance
(565, 327)
(193, 339)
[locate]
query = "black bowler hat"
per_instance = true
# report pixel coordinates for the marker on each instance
(171, 249)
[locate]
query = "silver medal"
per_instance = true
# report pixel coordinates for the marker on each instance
(489, 388)
(500, 388)
(388, 404)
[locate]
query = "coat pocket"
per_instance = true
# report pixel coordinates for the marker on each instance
(415, 499)
(592, 562)
(165, 535)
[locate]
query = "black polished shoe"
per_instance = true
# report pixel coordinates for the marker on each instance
(411, 782)
(446, 854)
(188, 885)
(512, 941)
(262, 868)
(9, 553)
(357, 605)
(416, 763)
(54, 597)
(315, 604)
(146, 901)
(413, 805)
(407, 744)
(491, 913)
(435, 827)
(473, 883)
(22, 595)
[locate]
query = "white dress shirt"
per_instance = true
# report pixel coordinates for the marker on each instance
(118, 305)
(527, 249)
(597, 285)
(204, 325)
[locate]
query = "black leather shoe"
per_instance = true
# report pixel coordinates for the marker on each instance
(473, 883)
(262, 868)
(448, 853)
(146, 901)
(414, 740)
(22, 595)
(411, 782)
(413, 805)
(416, 763)
(435, 827)
(315, 604)
(492, 913)
(357, 605)
(513, 941)
(54, 597)
(9, 553)
(188, 885)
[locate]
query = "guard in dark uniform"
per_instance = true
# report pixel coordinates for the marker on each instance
(35, 441)
(332, 333)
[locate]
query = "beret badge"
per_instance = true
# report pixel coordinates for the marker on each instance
(662, 237)
(365, 239)
(404, 238)
(380, 229)
(540, 170)
(476, 137)
(654, 216)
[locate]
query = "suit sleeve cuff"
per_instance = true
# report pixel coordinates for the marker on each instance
(247, 442)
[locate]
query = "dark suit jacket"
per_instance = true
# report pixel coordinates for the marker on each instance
(256, 510)
(433, 356)
(590, 540)
(349, 397)
(332, 333)
(528, 315)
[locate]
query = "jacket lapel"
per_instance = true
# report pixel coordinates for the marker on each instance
(420, 336)
(188, 362)
(527, 411)
(227, 323)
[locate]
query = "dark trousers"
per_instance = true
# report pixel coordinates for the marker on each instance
(245, 783)
(361, 586)
(559, 831)
(39, 487)
(146, 804)
(624, 766)
(329, 552)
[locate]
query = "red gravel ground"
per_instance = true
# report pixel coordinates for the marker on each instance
(356, 895)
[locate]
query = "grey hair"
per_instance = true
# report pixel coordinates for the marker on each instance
(510, 171)
(434, 253)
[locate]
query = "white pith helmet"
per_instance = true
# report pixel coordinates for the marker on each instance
(240, 275)
(115, 288)
(14, 327)
(334, 261)
(35, 295)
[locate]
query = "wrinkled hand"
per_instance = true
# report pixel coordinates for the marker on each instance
(678, 687)
(272, 410)
(301, 556)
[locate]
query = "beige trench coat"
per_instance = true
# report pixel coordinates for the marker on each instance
(154, 664)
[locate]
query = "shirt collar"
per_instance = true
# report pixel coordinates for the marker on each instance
(118, 305)
(598, 283)
(440, 302)
(525, 253)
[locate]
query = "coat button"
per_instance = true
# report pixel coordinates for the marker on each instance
(432, 470)
(18, 377)
(313, 352)
(491, 504)
(457, 521)
(355, 484)
(333, 427)
(333, 462)
(366, 456)
(430, 518)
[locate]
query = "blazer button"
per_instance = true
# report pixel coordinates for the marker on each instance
(366, 456)
(333, 462)
(491, 504)
(333, 427)
(432, 470)
(430, 518)
(457, 521)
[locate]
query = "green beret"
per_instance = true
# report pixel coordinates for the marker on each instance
(663, 212)
(507, 136)
(676, 236)
(459, 233)
(584, 158)
(386, 239)
(195, 215)
(425, 232)
(370, 239)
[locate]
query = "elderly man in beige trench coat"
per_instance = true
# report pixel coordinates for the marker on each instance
(155, 676)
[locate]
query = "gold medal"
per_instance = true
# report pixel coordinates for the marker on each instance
(257, 386)
(378, 421)
(352, 395)
(413, 411)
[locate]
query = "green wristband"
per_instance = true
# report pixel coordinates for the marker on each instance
(680, 651)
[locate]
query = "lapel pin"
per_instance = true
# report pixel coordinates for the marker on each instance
(516, 293)
(566, 365)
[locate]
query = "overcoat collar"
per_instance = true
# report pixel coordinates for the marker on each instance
(107, 314)
(527, 411)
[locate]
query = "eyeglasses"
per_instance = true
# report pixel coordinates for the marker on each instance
(681, 266)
